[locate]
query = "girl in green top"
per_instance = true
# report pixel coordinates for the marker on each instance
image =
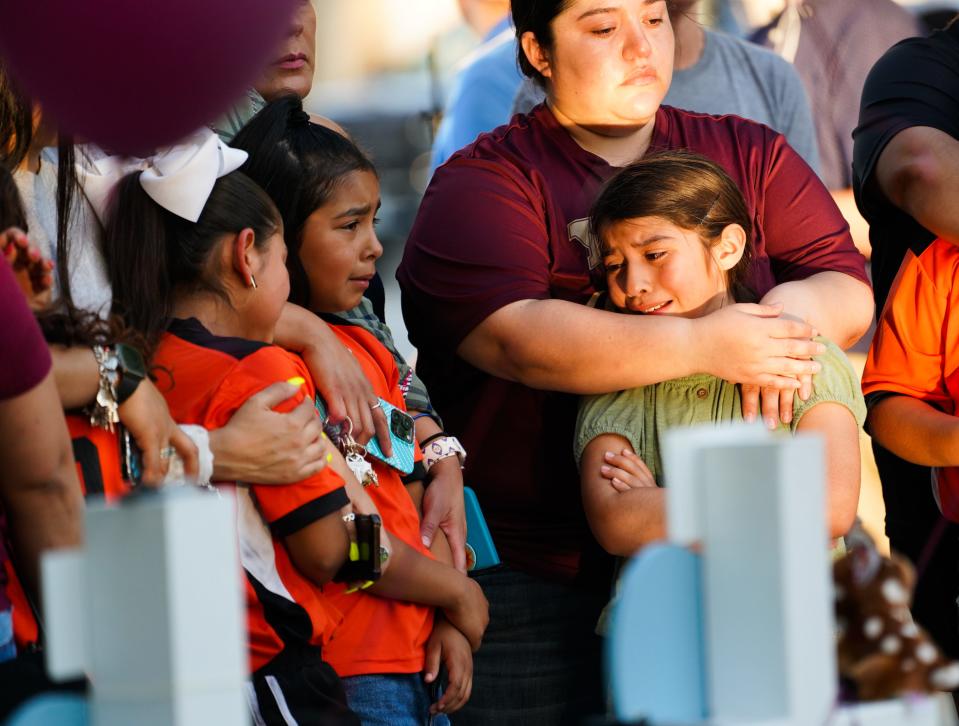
(675, 239)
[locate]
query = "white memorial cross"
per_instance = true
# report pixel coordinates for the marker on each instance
(152, 611)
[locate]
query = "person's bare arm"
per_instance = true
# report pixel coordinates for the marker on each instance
(858, 226)
(145, 413)
(839, 306)
(918, 171)
(319, 549)
(841, 436)
(417, 578)
(915, 431)
(561, 346)
(622, 519)
(442, 509)
(439, 546)
(39, 487)
(337, 375)
(75, 375)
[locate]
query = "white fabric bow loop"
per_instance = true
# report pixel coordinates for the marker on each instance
(100, 176)
(181, 178)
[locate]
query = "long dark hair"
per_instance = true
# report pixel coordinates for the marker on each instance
(299, 164)
(73, 327)
(11, 206)
(687, 190)
(151, 252)
(16, 136)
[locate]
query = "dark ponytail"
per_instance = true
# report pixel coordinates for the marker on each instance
(299, 164)
(151, 253)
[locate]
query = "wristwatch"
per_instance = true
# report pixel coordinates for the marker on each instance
(132, 370)
(442, 446)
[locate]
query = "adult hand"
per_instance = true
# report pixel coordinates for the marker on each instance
(754, 344)
(625, 471)
(443, 507)
(470, 613)
(147, 418)
(261, 446)
(448, 646)
(777, 405)
(33, 271)
(347, 391)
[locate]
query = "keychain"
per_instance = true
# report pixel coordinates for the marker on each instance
(356, 458)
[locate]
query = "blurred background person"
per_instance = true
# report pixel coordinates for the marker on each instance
(905, 161)
(40, 502)
(833, 44)
(291, 71)
(485, 83)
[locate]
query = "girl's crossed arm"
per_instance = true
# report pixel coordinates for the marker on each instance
(623, 517)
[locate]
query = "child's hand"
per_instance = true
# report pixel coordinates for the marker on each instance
(449, 646)
(470, 613)
(626, 471)
(34, 272)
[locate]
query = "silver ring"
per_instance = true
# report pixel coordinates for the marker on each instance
(167, 452)
(374, 406)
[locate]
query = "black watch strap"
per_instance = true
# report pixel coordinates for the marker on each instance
(132, 370)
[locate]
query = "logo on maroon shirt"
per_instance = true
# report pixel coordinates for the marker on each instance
(579, 231)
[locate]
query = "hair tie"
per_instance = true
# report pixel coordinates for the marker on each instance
(300, 117)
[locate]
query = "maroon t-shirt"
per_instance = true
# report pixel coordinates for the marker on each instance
(25, 361)
(504, 220)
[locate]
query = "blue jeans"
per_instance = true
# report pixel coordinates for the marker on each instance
(392, 699)
(8, 648)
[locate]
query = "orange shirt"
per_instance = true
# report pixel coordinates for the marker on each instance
(380, 635)
(96, 452)
(207, 378)
(914, 352)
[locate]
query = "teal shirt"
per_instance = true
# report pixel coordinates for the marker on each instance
(642, 415)
(235, 119)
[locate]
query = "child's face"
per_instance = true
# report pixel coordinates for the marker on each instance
(272, 289)
(339, 248)
(654, 267)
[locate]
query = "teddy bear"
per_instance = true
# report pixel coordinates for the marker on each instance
(881, 650)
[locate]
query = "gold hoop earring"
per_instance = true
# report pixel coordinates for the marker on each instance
(253, 282)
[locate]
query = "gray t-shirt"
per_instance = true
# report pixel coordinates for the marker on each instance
(737, 77)
(834, 44)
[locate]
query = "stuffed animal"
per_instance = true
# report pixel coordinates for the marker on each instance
(881, 649)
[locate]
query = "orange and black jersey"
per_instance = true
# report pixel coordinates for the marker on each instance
(380, 635)
(205, 378)
(97, 454)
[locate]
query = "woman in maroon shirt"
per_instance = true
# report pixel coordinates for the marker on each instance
(494, 275)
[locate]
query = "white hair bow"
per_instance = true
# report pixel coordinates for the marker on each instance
(179, 178)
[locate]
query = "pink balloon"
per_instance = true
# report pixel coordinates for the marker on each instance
(132, 75)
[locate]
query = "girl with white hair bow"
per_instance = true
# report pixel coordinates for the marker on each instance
(196, 257)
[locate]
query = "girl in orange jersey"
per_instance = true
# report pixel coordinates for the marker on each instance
(196, 256)
(390, 645)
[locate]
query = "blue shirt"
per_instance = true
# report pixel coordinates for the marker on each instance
(482, 93)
